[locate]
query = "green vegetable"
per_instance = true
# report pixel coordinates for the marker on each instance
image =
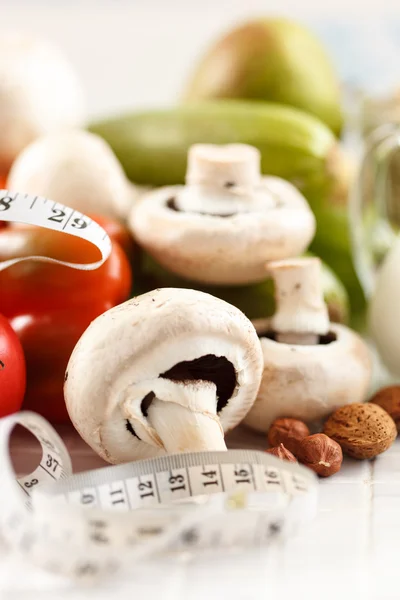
(276, 60)
(256, 300)
(152, 147)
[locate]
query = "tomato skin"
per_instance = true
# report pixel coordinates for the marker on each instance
(35, 285)
(50, 305)
(12, 369)
(48, 340)
(117, 232)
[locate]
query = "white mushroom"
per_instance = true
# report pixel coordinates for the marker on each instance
(311, 367)
(39, 93)
(168, 371)
(75, 168)
(226, 222)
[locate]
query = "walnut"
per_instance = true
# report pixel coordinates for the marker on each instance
(362, 430)
(388, 398)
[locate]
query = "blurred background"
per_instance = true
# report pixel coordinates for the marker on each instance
(133, 53)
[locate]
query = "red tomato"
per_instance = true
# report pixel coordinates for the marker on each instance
(12, 369)
(51, 305)
(117, 232)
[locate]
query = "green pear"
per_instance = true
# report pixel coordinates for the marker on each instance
(271, 59)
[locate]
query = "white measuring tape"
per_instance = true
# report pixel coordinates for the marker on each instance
(36, 210)
(94, 523)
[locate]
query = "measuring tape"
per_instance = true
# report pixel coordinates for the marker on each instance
(94, 523)
(36, 210)
(91, 524)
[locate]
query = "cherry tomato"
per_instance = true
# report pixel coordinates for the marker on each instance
(12, 369)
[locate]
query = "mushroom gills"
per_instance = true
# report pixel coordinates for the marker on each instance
(300, 339)
(183, 408)
(172, 205)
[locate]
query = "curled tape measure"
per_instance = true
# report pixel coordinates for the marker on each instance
(95, 523)
(36, 210)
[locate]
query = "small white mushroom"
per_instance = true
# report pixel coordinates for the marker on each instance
(75, 168)
(311, 367)
(226, 222)
(168, 371)
(39, 93)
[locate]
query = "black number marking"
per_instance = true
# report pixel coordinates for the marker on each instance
(48, 444)
(86, 569)
(79, 223)
(299, 484)
(58, 215)
(146, 485)
(242, 476)
(98, 535)
(52, 463)
(31, 483)
(5, 203)
(212, 475)
(2, 365)
(272, 477)
(87, 498)
(117, 500)
(177, 479)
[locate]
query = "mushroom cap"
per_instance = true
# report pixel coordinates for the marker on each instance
(273, 223)
(309, 382)
(39, 93)
(120, 357)
(75, 168)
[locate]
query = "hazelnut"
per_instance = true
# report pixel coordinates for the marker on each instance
(288, 432)
(362, 430)
(388, 398)
(282, 453)
(321, 454)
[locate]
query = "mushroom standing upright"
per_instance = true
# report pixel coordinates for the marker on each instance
(226, 222)
(311, 367)
(169, 371)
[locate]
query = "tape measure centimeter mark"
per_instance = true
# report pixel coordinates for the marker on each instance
(93, 523)
(36, 210)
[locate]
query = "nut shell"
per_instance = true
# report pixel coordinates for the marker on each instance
(388, 398)
(321, 454)
(282, 453)
(288, 432)
(362, 430)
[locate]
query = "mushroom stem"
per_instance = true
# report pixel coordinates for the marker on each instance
(183, 430)
(301, 315)
(181, 416)
(299, 339)
(231, 167)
